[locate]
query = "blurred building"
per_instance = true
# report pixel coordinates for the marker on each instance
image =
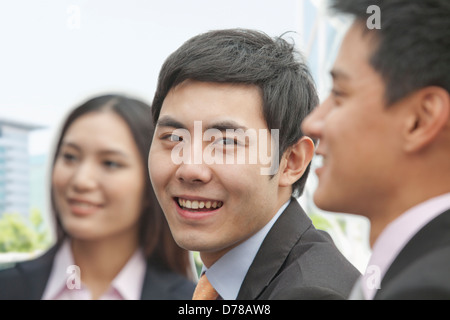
(321, 35)
(39, 184)
(15, 166)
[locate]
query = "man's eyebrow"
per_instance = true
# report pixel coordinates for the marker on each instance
(226, 125)
(338, 74)
(168, 121)
(222, 125)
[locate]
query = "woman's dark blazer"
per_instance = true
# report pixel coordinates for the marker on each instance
(27, 281)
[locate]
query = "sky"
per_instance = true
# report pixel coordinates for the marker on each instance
(57, 53)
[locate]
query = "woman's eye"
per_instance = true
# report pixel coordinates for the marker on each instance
(112, 164)
(69, 157)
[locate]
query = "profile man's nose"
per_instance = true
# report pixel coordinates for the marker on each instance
(313, 124)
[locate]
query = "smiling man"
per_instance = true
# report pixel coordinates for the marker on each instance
(384, 136)
(225, 101)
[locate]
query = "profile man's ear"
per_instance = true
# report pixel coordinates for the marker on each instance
(430, 112)
(295, 160)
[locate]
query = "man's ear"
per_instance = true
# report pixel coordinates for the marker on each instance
(295, 160)
(428, 116)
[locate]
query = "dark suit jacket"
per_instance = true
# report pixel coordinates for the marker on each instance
(27, 281)
(422, 268)
(297, 261)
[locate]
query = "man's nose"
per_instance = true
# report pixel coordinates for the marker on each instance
(313, 124)
(193, 173)
(193, 168)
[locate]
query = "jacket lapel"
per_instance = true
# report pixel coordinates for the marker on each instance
(274, 250)
(35, 273)
(432, 236)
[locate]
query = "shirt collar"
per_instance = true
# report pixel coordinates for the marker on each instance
(128, 283)
(394, 238)
(227, 274)
(130, 279)
(61, 270)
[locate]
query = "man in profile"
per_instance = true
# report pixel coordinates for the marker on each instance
(384, 136)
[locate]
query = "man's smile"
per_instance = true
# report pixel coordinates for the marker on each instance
(198, 204)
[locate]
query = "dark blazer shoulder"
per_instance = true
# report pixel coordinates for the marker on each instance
(27, 280)
(297, 261)
(421, 270)
(162, 284)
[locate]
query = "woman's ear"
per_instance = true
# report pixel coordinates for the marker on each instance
(295, 160)
(430, 112)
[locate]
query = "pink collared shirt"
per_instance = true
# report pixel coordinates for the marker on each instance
(394, 238)
(64, 282)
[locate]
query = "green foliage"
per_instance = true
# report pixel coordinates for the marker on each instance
(320, 222)
(19, 234)
(198, 262)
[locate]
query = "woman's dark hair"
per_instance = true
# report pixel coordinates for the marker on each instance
(248, 57)
(155, 238)
(412, 47)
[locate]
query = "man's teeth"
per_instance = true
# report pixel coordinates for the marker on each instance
(199, 204)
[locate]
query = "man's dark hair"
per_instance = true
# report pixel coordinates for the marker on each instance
(248, 57)
(412, 48)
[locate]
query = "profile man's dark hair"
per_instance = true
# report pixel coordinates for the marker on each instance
(412, 48)
(250, 57)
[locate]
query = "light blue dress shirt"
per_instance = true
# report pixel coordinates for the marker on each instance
(227, 274)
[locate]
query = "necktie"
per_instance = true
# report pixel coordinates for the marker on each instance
(204, 290)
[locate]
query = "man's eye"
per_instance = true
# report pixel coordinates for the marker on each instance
(337, 93)
(172, 137)
(337, 96)
(227, 141)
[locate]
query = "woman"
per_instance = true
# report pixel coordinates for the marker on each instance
(112, 239)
